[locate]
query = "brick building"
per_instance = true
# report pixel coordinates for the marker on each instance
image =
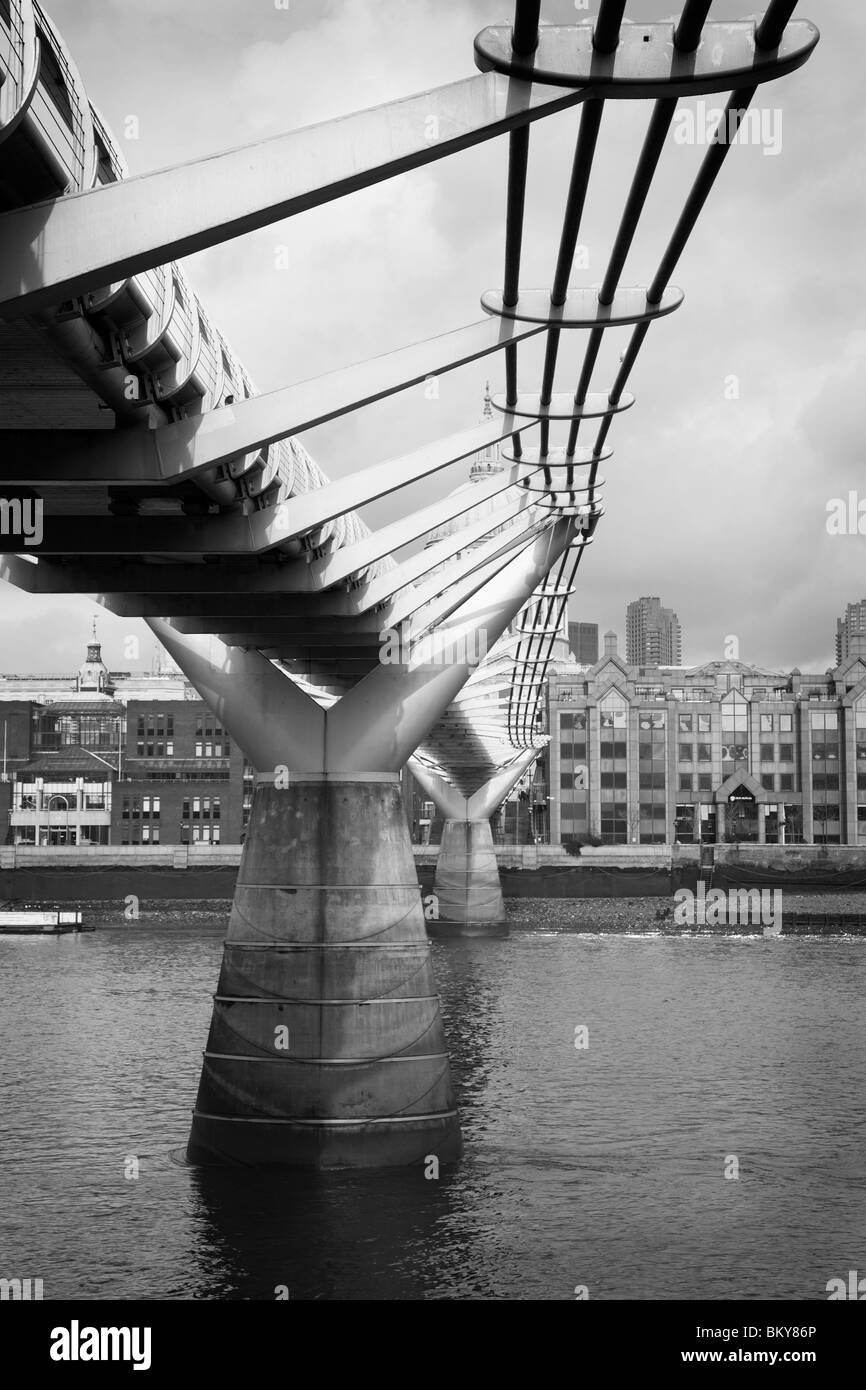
(116, 758)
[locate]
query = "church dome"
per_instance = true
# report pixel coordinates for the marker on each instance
(93, 675)
(485, 464)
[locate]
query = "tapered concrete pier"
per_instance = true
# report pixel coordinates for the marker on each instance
(467, 883)
(326, 1046)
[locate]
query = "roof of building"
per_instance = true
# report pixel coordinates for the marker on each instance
(71, 762)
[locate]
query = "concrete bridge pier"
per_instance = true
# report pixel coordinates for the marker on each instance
(326, 1046)
(467, 885)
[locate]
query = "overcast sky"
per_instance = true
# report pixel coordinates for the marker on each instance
(717, 504)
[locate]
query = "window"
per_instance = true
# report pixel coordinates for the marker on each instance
(786, 752)
(652, 719)
(735, 718)
(686, 752)
(705, 782)
(786, 781)
(705, 723)
(766, 723)
(685, 722)
(824, 719)
(768, 782)
(705, 753)
(685, 781)
(767, 755)
(786, 723)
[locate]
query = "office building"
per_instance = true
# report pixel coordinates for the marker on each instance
(644, 754)
(851, 632)
(583, 642)
(653, 634)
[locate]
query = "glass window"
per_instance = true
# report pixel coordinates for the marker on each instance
(767, 782)
(685, 781)
(767, 754)
(705, 723)
(786, 723)
(766, 723)
(685, 722)
(685, 752)
(786, 752)
(705, 782)
(705, 753)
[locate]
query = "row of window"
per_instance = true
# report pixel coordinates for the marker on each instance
(155, 726)
(149, 835)
(164, 748)
(139, 808)
(61, 801)
(734, 719)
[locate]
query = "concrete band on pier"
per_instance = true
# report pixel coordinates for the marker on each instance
(326, 1044)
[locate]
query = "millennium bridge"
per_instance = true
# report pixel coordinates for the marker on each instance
(170, 489)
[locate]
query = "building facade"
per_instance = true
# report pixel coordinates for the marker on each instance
(723, 752)
(106, 758)
(653, 634)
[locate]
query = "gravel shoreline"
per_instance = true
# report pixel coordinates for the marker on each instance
(656, 914)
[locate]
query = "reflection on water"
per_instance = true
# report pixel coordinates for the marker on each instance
(602, 1166)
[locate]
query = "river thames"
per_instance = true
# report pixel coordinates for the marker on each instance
(599, 1167)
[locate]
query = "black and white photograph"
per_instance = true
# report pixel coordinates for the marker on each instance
(432, 672)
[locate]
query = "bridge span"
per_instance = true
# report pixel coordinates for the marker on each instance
(170, 489)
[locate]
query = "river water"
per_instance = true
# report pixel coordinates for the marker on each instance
(600, 1167)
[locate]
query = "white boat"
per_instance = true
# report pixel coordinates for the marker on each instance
(39, 921)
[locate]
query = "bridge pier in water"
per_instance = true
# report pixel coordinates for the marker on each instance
(326, 1047)
(466, 884)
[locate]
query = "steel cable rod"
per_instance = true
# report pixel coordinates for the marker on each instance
(584, 152)
(524, 40)
(728, 124)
